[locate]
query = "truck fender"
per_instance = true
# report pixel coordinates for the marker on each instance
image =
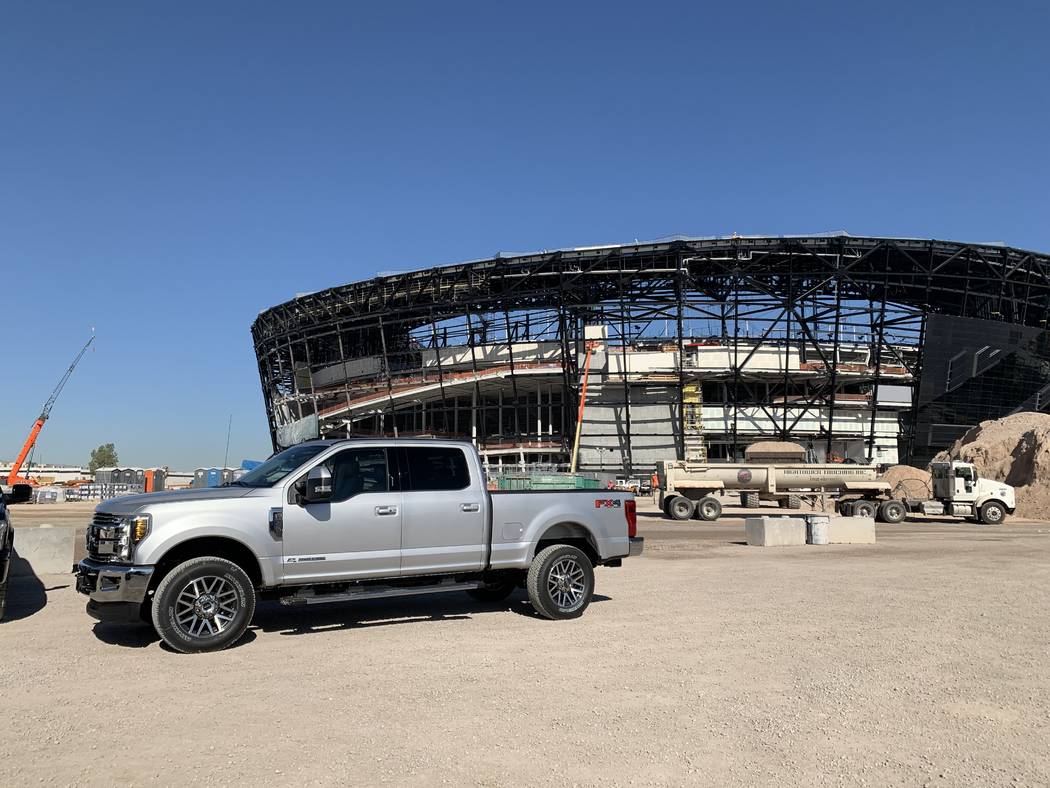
(563, 528)
(162, 544)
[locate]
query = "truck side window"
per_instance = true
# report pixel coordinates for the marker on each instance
(357, 471)
(436, 468)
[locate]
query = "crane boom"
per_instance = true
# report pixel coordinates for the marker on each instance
(12, 477)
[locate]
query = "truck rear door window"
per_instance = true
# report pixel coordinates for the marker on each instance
(436, 468)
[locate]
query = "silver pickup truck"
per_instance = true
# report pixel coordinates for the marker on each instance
(330, 521)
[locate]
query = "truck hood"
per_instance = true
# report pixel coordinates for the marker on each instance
(128, 504)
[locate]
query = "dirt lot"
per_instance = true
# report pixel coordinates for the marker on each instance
(920, 660)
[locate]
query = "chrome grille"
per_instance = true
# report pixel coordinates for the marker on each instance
(104, 535)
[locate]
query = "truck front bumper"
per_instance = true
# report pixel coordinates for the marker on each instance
(115, 591)
(637, 544)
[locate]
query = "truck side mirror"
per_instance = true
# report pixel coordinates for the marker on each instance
(20, 493)
(318, 485)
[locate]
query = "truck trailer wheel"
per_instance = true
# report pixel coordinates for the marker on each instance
(708, 508)
(863, 509)
(992, 513)
(203, 604)
(750, 500)
(680, 508)
(892, 512)
(560, 582)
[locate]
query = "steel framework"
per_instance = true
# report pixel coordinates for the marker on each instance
(809, 295)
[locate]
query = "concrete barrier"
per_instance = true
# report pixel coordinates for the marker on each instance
(851, 530)
(44, 550)
(775, 531)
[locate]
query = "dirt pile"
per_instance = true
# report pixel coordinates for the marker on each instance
(908, 482)
(1016, 450)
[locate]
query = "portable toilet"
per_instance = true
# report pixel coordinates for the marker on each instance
(214, 477)
(200, 478)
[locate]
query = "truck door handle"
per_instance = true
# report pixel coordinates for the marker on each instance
(384, 511)
(470, 507)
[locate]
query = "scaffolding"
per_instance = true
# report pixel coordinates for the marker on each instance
(693, 423)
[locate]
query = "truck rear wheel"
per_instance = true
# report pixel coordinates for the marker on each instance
(680, 508)
(863, 509)
(992, 513)
(204, 604)
(892, 512)
(750, 500)
(560, 582)
(708, 508)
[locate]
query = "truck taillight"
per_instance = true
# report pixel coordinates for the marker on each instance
(630, 511)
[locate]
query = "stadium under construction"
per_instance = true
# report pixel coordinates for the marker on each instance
(863, 349)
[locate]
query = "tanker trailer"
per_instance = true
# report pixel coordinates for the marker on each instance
(688, 489)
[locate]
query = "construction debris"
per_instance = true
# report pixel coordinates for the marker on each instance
(1016, 450)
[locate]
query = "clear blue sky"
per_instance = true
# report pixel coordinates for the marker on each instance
(168, 170)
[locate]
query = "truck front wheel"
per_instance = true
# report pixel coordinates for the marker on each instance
(560, 582)
(992, 513)
(204, 604)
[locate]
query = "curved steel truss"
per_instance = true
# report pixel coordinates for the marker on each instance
(504, 334)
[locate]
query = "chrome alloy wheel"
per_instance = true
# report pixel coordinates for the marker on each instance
(566, 584)
(206, 606)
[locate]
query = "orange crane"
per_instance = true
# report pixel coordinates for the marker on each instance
(29, 445)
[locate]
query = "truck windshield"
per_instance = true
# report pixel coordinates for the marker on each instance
(279, 466)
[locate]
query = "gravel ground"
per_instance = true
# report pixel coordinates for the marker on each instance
(919, 660)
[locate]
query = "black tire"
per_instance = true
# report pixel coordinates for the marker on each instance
(794, 502)
(560, 582)
(193, 599)
(846, 508)
(708, 509)
(992, 513)
(680, 508)
(750, 500)
(863, 509)
(892, 512)
(667, 504)
(5, 571)
(495, 592)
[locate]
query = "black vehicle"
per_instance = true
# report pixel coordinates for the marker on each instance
(16, 494)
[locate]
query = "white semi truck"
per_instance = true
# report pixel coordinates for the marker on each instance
(688, 489)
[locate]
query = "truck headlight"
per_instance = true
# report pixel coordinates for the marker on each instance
(132, 531)
(139, 526)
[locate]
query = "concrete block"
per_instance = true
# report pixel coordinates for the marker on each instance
(775, 531)
(44, 550)
(851, 530)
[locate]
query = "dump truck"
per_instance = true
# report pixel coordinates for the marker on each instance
(688, 489)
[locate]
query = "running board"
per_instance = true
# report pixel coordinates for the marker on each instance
(374, 592)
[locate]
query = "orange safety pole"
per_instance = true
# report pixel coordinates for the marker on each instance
(583, 402)
(12, 477)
